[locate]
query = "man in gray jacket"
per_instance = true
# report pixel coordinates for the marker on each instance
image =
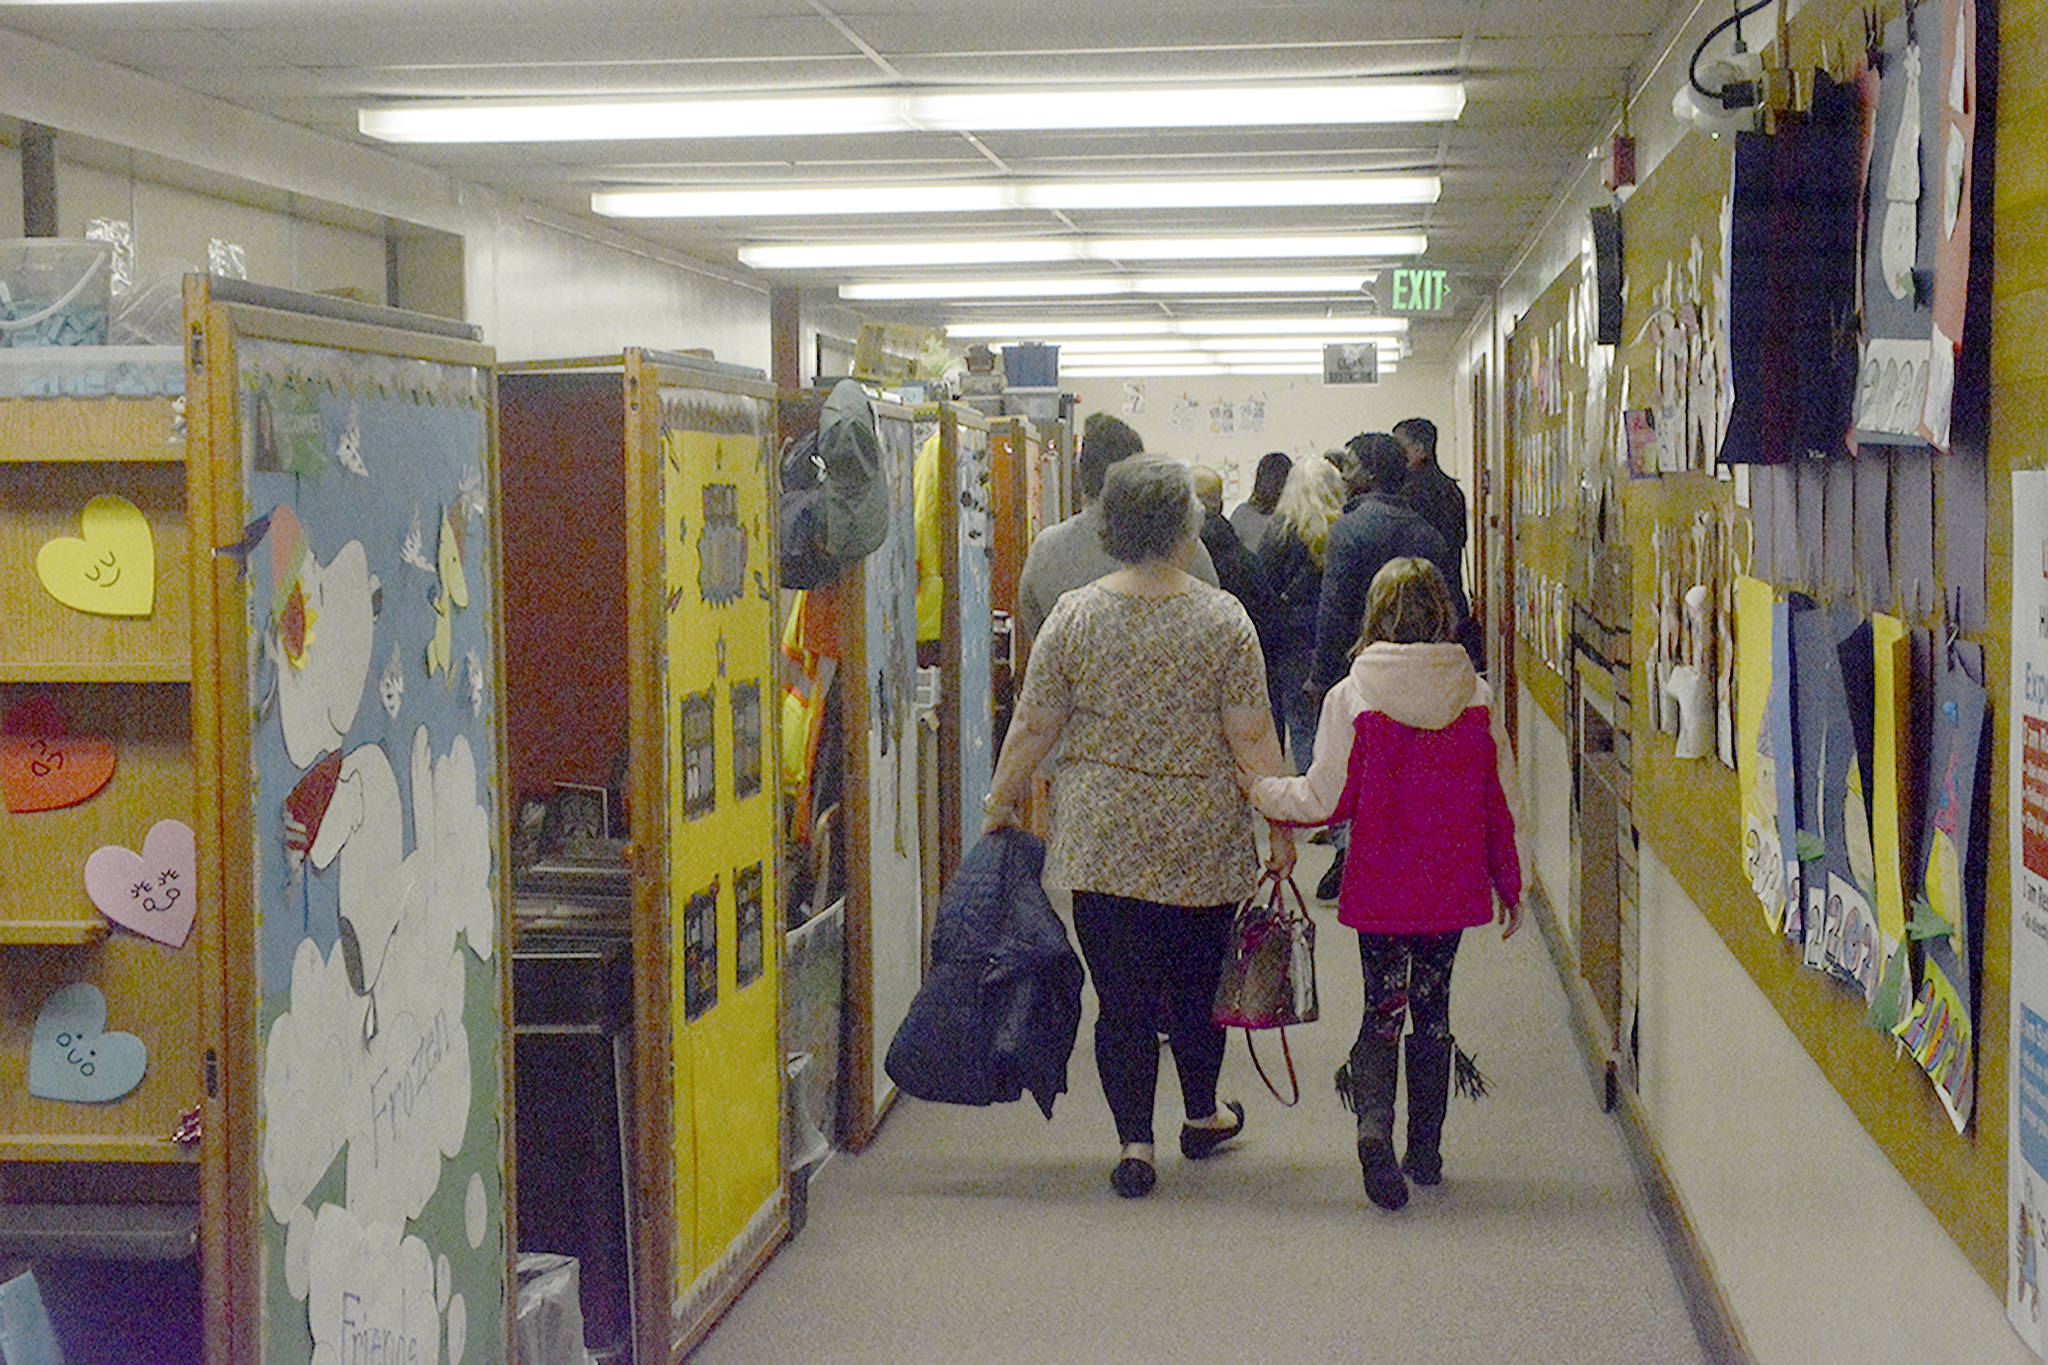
(1066, 556)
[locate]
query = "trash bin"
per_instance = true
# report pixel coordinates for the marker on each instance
(549, 1326)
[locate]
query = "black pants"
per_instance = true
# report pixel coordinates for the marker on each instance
(1407, 976)
(1146, 959)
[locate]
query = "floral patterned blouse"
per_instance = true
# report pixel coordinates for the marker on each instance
(1145, 801)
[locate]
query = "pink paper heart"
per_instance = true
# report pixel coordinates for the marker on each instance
(151, 892)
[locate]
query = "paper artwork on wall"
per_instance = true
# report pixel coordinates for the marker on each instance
(348, 447)
(45, 767)
(379, 1017)
(109, 568)
(151, 893)
(318, 637)
(1939, 1030)
(1906, 374)
(1755, 759)
(72, 1056)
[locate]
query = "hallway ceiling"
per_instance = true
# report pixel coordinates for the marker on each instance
(1543, 80)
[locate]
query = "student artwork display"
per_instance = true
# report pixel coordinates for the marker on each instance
(1691, 668)
(372, 794)
(1857, 856)
(74, 1057)
(151, 893)
(1543, 616)
(109, 567)
(43, 766)
(1916, 245)
(1939, 1030)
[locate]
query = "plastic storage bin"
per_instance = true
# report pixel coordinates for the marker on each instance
(54, 291)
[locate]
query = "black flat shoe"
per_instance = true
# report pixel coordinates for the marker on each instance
(1197, 1143)
(1132, 1178)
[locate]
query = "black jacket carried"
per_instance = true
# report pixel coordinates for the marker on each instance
(1000, 1007)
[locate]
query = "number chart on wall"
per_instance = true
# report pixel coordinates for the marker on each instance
(716, 554)
(370, 609)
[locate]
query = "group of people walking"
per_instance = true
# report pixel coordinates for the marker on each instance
(1172, 650)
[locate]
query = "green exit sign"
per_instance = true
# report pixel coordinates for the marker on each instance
(1418, 291)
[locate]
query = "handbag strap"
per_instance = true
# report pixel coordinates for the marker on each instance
(1293, 1081)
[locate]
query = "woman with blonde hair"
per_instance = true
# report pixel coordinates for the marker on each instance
(1410, 751)
(1292, 558)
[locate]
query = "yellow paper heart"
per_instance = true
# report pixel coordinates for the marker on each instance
(111, 571)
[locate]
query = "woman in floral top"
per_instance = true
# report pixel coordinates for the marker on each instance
(1148, 689)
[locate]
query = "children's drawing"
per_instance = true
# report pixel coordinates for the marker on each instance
(109, 568)
(152, 892)
(318, 637)
(721, 547)
(391, 684)
(378, 1018)
(73, 1058)
(42, 765)
(348, 449)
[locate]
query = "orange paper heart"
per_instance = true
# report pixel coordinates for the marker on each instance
(44, 768)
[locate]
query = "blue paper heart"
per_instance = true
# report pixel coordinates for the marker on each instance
(74, 1058)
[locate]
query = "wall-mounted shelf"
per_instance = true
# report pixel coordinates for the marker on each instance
(51, 933)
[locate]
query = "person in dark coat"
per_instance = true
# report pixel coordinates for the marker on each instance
(1001, 1006)
(1377, 528)
(1433, 493)
(1380, 526)
(1237, 568)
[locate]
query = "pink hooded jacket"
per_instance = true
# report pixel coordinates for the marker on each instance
(1408, 749)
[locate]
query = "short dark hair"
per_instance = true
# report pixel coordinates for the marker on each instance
(1274, 466)
(1104, 441)
(1148, 507)
(1420, 430)
(1382, 464)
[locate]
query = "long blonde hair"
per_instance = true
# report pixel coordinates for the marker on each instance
(1408, 604)
(1312, 499)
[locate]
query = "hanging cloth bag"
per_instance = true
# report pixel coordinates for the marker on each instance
(1269, 972)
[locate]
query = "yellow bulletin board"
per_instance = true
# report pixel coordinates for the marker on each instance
(708, 935)
(1545, 391)
(1689, 811)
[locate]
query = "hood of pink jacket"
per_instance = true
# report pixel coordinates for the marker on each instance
(1425, 687)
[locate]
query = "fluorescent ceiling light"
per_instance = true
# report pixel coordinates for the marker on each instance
(1099, 286)
(1357, 245)
(1015, 196)
(1236, 105)
(884, 255)
(1047, 329)
(1083, 352)
(1153, 370)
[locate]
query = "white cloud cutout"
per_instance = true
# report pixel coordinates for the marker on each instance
(319, 637)
(371, 1293)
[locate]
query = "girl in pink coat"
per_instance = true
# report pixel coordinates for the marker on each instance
(1409, 751)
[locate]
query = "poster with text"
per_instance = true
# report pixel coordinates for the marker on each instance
(2027, 805)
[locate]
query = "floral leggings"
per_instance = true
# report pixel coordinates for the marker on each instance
(1407, 976)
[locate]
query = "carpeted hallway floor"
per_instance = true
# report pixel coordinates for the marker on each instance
(969, 1235)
